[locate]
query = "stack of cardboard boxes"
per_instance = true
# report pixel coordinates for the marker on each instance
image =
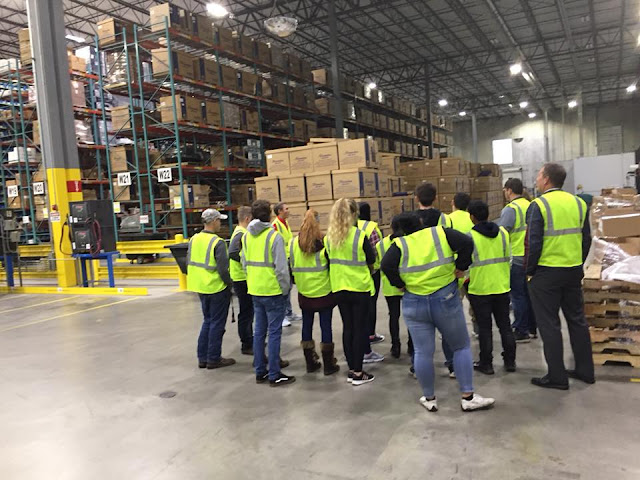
(316, 175)
(487, 186)
(611, 300)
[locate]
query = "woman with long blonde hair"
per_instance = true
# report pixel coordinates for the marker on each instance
(310, 269)
(351, 260)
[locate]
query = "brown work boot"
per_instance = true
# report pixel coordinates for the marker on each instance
(223, 362)
(330, 362)
(310, 356)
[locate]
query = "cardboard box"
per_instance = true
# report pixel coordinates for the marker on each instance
(620, 225)
(76, 63)
(475, 169)
(490, 198)
(248, 82)
(400, 204)
(412, 169)
(24, 42)
(454, 167)
(243, 194)
(357, 154)
(249, 120)
(386, 210)
(301, 160)
(445, 199)
(206, 70)
(319, 186)
(229, 77)
(177, 18)
(396, 184)
(325, 157)
(389, 163)
(278, 58)
(359, 182)
(182, 63)
(212, 113)
(325, 105)
(120, 193)
(226, 40)
(374, 204)
(231, 115)
(323, 209)
(486, 184)
(322, 76)
(195, 196)
(297, 212)
(278, 162)
(292, 188)
(310, 129)
(78, 97)
(262, 52)
(384, 189)
(494, 169)
(122, 159)
(268, 188)
(452, 184)
(120, 118)
(202, 27)
(110, 30)
(187, 109)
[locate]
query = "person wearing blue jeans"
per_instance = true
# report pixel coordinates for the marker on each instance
(269, 312)
(215, 308)
(525, 320)
(423, 264)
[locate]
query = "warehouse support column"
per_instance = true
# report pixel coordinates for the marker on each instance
(427, 94)
(547, 154)
(335, 66)
(474, 138)
(580, 129)
(59, 149)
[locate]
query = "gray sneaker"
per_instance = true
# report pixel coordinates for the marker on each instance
(372, 357)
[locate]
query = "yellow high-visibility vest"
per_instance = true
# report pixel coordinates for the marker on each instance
(261, 274)
(388, 290)
(202, 269)
(348, 264)
(235, 268)
(520, 206)
(490, 271)
(461, 221)
(311, 272)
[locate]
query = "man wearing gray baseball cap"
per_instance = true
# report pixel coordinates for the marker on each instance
(208, 275)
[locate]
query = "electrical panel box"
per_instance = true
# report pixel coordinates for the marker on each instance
(9, 231)
(91, 226)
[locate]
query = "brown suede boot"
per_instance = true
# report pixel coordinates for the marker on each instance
(330, 362)
(310, 356)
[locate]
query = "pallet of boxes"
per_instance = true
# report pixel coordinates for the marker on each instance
(486, 185)
(326, 169)
(612, 278)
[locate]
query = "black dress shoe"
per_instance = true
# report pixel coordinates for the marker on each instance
(574, 374)
(202, 364)
(544, 382)
(510, 366)
(247, 351)
(482, 368)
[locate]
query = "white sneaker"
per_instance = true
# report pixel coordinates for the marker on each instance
(430, 405)
(286, 323)
(476, 403)
(452, 374)
(372, 357)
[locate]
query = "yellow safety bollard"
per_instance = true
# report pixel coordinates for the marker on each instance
(182, 278)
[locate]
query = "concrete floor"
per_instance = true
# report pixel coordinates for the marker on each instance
(81, 378)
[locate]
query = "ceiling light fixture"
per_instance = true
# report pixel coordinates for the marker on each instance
(511, 105)
(75, 38)
(532, 115)
(526, 76)
(216, 10)
(631, 88)
(515, 69)
(500, 96)
(372, 85)
(573, 104)
(524, 104)
(462, 113)
(443, 102)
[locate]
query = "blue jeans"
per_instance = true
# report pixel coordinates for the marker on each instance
(525, 320)
(325, 325)
(442, 310)
(215, 309)
(269, 313)
(289, 309)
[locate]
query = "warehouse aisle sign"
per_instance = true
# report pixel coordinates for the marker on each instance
(124, 179)
(12, 191)
(164, 175)
(38, 188)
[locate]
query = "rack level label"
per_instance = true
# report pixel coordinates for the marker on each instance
(12, 191)
(116, 207)
(164, 175)
(124, 179)
(144, 219)
(38, 188)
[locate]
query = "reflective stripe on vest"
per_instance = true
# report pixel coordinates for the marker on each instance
(207, 259)
(202, 268)
(311, 272)
(318, 267)
(489, 273)
(348, 266)
(520, 225)
(550, 231)
(388, 290)
(442, 260)
(516, 237)
(266, 263)
(260, 268)
(354, 262)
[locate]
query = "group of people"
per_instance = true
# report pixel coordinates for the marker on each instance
(530, 259)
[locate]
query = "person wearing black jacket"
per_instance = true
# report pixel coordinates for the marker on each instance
(554, 267)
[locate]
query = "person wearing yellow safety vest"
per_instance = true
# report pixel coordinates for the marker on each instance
(513, 219)
(268, 282)
(208, 276)
(557, 242)
(399, 224)
(351, 261)
(374, 235)
(280, 225)
(423, 264)
(425, 195)
(239, 277)
(489, 287)
(310, 269)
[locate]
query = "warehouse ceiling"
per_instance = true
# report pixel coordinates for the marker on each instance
(567, 48)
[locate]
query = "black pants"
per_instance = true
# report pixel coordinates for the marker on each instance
(497, 305)
(550, 290)
(245, 316)
(373, 304)
(355, 337)
(394, 318)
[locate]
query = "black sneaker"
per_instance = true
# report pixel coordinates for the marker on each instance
(395, 351)
(282, 380)
(521, 337)
(246, 350)
(361, 379)
(376, 339)
(510, 366)
(482, 368)
(262, 378)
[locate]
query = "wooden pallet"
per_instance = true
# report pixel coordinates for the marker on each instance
(605, 334)
(606, 309)
(613, 285)
(597, 296)
(612, 322)
(604, 358)
(613, 346)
